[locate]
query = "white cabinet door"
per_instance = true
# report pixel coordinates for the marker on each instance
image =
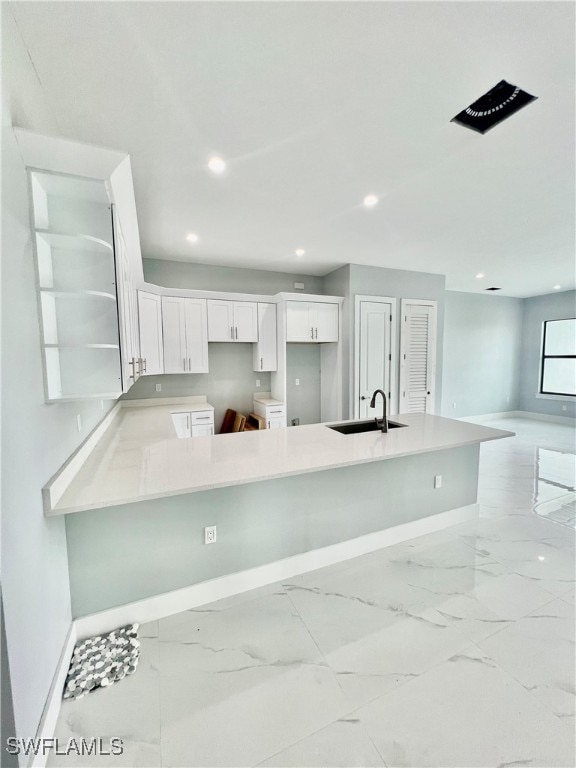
(201, 430)
(151, 348)
(298, 325)
(275, 422)
(174, 334)
(220, 320)
(181, 423)
(324, 321)
(196, 327)
(265, 358)
(245, 321)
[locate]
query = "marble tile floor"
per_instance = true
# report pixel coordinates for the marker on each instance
(454, 650)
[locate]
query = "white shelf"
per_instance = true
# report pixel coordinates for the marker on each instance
(77, 287)
(79, 294)
(82, 346)
(74, 241)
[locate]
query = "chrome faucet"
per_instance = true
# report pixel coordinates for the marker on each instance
(383, 423)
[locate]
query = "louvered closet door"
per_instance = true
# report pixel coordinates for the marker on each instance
(417, 357)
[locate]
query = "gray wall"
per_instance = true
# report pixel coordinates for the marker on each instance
(303, 401)
(231, 382)
(127, 553)
(204, 277)
(482, 340)
(553, 306)
(36, 438)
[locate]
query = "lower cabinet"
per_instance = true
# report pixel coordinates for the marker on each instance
(193, 424)
(273, 411)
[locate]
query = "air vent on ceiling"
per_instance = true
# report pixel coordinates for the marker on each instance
(493, 289)
(494, 106)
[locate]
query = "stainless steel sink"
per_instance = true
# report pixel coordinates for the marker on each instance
(355, 427)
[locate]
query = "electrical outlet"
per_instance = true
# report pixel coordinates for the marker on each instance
(158, 387)
(210, 534)
(79, 422)
(297, 382)
(437, 481)
(453, 405)
(298, 286)
(295, 422)
(257, 382)
(563, 407)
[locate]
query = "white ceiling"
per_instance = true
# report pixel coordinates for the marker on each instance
(316, 104)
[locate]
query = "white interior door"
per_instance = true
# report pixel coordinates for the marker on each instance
(374, 338)
(417, 356)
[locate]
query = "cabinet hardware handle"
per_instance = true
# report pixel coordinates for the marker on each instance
(202, 418)
(312, 332)
(190, 364)
(133, 374)
(275, 411)
(184, 363)
(261, 363)
(316, 333)
(236, 329)
(144, 367)
(232, 332)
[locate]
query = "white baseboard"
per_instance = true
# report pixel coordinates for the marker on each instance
(521, 415)
(168, 603)
(51, 711)
(546, 417)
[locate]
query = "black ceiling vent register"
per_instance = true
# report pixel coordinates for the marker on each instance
(496, 105)
(492, 289)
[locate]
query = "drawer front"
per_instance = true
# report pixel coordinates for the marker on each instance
(202, 417)
(202, 430)
(275, 411)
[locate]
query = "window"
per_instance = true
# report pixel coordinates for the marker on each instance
(558, 370)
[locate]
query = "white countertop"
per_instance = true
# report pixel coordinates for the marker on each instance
(139, 456)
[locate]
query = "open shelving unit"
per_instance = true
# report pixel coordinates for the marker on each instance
(76, 286)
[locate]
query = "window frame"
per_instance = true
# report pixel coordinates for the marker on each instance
(543, 357)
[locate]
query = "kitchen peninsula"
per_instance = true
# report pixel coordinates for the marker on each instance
(137, 506)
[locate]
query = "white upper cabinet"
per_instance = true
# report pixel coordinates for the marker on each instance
(311, 321)
(151, 348)
(265, 357)
(232, 320)
(185, 335)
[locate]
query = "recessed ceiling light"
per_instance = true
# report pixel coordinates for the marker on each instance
(216, 165)
(192, 237)
(556, 287)
(370, 201)
(480, 275)
(300, 252)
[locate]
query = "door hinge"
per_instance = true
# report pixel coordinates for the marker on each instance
(389, 357)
